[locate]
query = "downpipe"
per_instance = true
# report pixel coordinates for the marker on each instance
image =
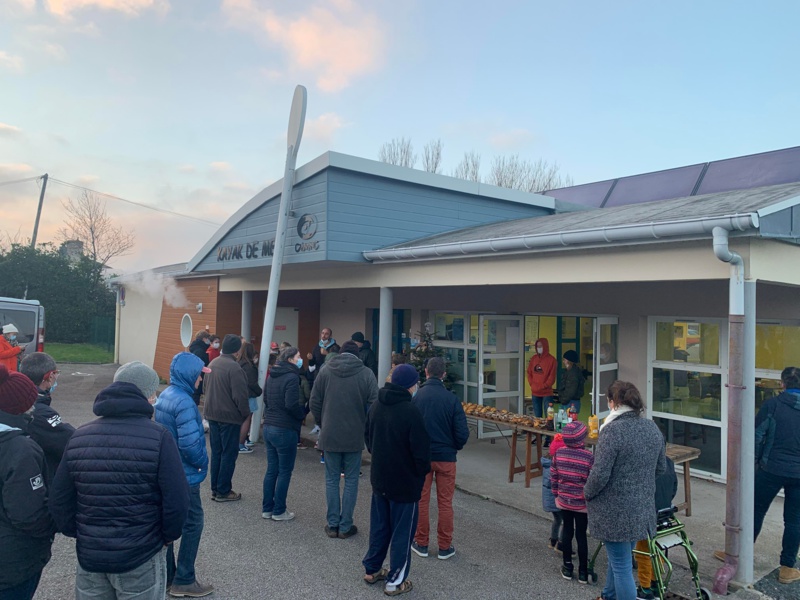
(735, 385)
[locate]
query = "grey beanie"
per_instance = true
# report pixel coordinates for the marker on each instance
(140, 375)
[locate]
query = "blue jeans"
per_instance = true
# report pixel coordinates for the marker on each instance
(281, 451)
(767, 487)
(148, 581)
(619, 579)
(539, 403)
(391, 529)
(340, 513)
(183, 572)
(224, 439)
(22, 591)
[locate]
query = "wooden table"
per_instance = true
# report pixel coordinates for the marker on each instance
(680, 455)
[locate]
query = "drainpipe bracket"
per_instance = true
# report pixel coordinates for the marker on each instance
(736, 387)
(733, 528)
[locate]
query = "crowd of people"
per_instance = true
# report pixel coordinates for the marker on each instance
(127, 485)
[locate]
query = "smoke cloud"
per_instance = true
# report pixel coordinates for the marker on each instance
(154, 284)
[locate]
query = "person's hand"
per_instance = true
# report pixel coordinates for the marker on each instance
(324, 351)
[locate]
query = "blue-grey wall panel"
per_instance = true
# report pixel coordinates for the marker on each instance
(367, 212)
(250, 242)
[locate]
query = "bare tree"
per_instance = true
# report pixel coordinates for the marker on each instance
(432, 157)
(88, 222)
(398, 152)
(470, 167)
(522, 174)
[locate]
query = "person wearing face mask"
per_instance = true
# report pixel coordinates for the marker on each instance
(283, 415)
(47, 428)
(398, 441)
(541, 376)
(26, 529)
(213, 350)
(570, 387)
(342, 395)
(9, 349)
(326, 345)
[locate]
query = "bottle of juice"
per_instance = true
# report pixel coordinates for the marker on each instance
(594, 427)
(550, 413)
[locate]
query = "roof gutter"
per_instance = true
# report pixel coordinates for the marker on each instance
(603, 235)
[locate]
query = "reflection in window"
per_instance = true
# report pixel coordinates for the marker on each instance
(687, 393)
(777, 346)
(766, 389)
(707, 438)
(448, 327)
(689, 342)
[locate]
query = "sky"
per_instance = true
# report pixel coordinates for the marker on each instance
(183, 104)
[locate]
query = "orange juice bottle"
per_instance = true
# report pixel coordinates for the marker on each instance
(594, 427)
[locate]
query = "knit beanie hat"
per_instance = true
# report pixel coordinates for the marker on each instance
(231, 344)
(358, 337)
(349, 347)
(140, 375)
(405, 376)
(17, 392)
(574, 433)
(571, 356)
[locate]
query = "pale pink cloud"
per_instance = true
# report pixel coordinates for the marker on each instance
(512, 139)
(64, 8)
(11, 62)
(335, 41)
(55, 51)
(324, 127)
(7, 130)
(87, 179)
(15, 169)
(187, 169)
(220, 166)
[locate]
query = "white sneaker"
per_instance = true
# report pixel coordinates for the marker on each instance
(266, 515)
(205, 425)
(315, 430)
(286, 516)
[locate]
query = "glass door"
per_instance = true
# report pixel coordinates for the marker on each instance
(605, 367)
(500, 355)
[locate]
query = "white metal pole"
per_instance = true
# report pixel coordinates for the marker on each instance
(297, 117)
(385, 313)
(744, 574)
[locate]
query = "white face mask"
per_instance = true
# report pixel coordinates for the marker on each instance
(539, 350)
(215, 345)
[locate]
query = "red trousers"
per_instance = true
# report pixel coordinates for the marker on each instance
(445, 475)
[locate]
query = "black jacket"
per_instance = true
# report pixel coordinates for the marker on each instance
(199, 349)
(570, 386)
(282, 406)
(318, 358)
(778, 435)
(400, 447)
(367, 357)
(120, 488)
(26, 529)
(666, 487)
(444, 419)
(251, 372)
(50, 432)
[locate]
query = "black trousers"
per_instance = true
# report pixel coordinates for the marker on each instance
(575, 525)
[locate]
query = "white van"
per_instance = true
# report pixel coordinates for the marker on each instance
(28, 317)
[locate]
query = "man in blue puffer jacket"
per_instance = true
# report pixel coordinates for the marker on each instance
(177, 411)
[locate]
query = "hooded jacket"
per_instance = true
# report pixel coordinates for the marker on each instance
(401, 449)
(444, 419)
(367, 357)
(569, 470)
(120, 488)
(226, 391)
(342, 395)
(778, 435)
(282, 406)
(49, 431)
(178, 413)
(542, 370)
(548, 500)
(26, 529)
(571, 384)
(198, 348)
(9, 355)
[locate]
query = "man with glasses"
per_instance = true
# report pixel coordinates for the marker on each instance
(47, 428)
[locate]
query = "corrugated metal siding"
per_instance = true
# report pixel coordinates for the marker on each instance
(308, 197)
(367, 212)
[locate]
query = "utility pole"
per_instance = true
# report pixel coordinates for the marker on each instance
(39, 210)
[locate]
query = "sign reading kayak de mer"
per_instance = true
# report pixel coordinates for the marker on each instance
(306, 230)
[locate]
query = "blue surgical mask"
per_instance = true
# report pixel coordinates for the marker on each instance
(52, 387)
(12, 337)
(299, 363)
(416, 389)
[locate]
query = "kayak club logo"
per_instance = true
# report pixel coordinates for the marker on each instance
(307, 227)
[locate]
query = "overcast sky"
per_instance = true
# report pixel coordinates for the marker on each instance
(183, 104)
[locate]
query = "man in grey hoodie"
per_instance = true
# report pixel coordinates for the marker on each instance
(343, 393)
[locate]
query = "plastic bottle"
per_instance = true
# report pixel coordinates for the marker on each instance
(594, 427)
(550, 412)
(560, 419)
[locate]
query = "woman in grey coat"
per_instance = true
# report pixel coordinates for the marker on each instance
(619, 492)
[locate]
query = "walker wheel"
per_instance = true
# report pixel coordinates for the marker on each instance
(705, 594)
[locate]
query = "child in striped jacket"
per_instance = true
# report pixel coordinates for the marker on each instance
(568, 474)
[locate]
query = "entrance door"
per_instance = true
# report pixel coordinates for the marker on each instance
(500, 357)
(605, 367)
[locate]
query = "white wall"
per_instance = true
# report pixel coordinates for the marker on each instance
(140, 318)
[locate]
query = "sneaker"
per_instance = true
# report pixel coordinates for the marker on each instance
(343, 535)
(566, 571)
(447, 553)
(788, 575)
(583, 576)
(243, 449)
(419, 550)
(322, 459)
(193, 590)
(249, 444)
(285, 516)
(552, 544)
(331, 532)
(644, 594)
(229, 497)
(213, 495)
(266, 515)
(315, 430)
(301, 446)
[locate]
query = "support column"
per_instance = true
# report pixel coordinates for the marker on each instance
(247, 314)
(386, 312)
(744, 574)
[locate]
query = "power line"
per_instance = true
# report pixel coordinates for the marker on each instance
(140, 204)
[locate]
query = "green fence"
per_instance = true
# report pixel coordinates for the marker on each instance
(101, 332)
